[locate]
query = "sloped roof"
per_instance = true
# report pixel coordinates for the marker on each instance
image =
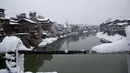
(13, 22)
(28, 20)
(43, 19)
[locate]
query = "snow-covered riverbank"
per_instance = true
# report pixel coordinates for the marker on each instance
(13, 44)
(119, 43)
(107, 37)
(47, 41)
(53, 39)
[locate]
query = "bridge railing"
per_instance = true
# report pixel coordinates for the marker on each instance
(67, 52)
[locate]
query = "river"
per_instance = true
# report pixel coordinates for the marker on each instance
(112, 63)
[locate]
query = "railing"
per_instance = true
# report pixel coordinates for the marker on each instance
(68, 52)
(64, 52)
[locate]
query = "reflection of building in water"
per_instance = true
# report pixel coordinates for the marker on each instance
(75, 38)
(67, 44)
(34, 62)
(84, 36)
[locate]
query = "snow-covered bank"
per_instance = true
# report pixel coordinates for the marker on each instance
(11, 43)
(14, 62)
(118, 46)
(53, 39)
(111, 38)
(121, 45)
(47, 41)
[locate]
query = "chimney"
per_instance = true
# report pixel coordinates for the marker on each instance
(32, 15)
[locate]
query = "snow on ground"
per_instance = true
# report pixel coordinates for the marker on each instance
(13, 43)
(47, 41)
(121, 45)
(52, 39)
(10, 43)
(4, 71)
(109, 38)
(118, 46)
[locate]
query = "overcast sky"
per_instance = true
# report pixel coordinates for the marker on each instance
(75, 11)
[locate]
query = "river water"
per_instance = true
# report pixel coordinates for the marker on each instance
(112, 63)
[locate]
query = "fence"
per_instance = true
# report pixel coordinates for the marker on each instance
(85, 52)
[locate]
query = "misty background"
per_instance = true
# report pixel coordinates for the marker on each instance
(91, 12)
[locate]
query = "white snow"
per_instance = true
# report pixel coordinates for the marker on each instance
(85, 31)
(30, 21)
(22, 33)
(66, 51)
(2, 18)
(47, 41)
(42, 19)
(109, 38)
(10, 56)
(4, 71)
(12, 23)
(122, 23)
(62, 36)
(121, 45)
(44, 33)
(11, 20)
(118, 46)
(10, 43)
(13, 43)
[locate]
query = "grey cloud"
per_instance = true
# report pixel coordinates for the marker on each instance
(75, 11)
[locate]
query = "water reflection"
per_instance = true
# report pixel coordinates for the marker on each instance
(73, 38)
(34, 62)
(56, 45)
(76, 38)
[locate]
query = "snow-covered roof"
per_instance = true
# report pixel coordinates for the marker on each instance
(44, 33)
(21, 33)
(118, 23)
(13, 23)
(13, 20)
(2, 18)
(30, 21)
(121, 23)
(42, 19)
